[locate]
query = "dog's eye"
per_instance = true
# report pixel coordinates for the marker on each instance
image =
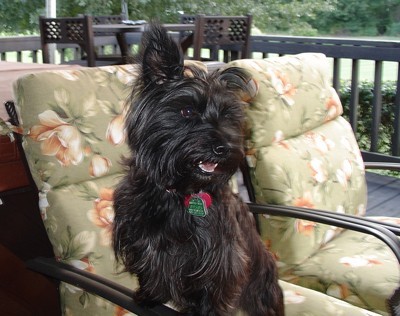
(188, 112)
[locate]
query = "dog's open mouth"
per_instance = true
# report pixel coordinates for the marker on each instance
(207, 167)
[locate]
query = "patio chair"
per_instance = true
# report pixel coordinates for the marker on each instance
(301, 153)
(75, 178)
(77, 31)
(186, 19)
(228, 33)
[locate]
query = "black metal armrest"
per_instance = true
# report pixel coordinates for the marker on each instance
(97, 285)
(380, 161)
(383, 231)
(382, 165)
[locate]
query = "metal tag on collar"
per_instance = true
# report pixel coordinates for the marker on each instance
(197, 204)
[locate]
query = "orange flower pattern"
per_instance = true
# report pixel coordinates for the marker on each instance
(304, 227)
(99, 166)
(333, 106)
(115, 133)
(102, 215)
(358, 261)
(304, 201)
(282, 86)
(58, 138)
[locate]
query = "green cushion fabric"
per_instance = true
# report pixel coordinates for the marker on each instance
(319, 169)
(74, 142)
(357, 268)
(301, 152)
(79, 224)
(294, 96)
(71, 118)
(300, 301)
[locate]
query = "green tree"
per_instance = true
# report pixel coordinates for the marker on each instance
(275, 16)
(20, 16)
(296, 17)
(291, 17)
(353, 17)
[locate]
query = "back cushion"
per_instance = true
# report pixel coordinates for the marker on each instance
(301, 152)
(73, 121)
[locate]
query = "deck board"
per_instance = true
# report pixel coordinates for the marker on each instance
(383, 195)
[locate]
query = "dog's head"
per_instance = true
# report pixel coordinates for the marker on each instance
(185, 127)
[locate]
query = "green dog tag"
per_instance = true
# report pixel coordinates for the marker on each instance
(197, 206)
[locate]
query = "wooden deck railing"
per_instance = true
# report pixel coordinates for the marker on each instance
(262, 45)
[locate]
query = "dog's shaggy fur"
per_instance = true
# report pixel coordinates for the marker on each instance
(185, 132)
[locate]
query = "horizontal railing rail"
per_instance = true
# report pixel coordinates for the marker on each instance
(31, 46)
(338, 49)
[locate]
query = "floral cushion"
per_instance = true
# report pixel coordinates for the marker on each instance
(79, 224)
(354, 267)
(296, 154)
(74, 141)
(72, 117)
(302, 153)
(300, 301)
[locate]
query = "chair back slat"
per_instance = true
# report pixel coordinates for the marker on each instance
(68, 30)
(107, 19)
(230, 33)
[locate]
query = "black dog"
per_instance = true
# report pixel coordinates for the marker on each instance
(178, 226)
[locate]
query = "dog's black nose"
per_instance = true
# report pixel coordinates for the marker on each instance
(220, 150)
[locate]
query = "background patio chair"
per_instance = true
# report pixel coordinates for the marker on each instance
(74, 30)
(75, 190)
(302, 153)
(228, 33)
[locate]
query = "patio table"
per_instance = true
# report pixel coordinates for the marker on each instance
(120, 29)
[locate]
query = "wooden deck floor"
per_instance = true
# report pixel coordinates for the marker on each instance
(383, 195)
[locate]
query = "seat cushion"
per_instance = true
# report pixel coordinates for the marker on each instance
(301, 301)
(354, 267)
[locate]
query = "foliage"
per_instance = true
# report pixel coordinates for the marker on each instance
(20, 16)
(365, 113)
(296, 17)
(291, 17)
(377, 17)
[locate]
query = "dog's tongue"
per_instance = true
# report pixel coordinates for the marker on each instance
(208, 166)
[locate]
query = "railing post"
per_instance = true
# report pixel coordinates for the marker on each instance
(51, 12)
(396, 133)
(336, 74)
(354, 97)
(376, 106)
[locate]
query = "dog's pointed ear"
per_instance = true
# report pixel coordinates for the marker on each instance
(160, 56)
(240, 82)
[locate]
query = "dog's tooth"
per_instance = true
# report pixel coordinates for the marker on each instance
(208, 167)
